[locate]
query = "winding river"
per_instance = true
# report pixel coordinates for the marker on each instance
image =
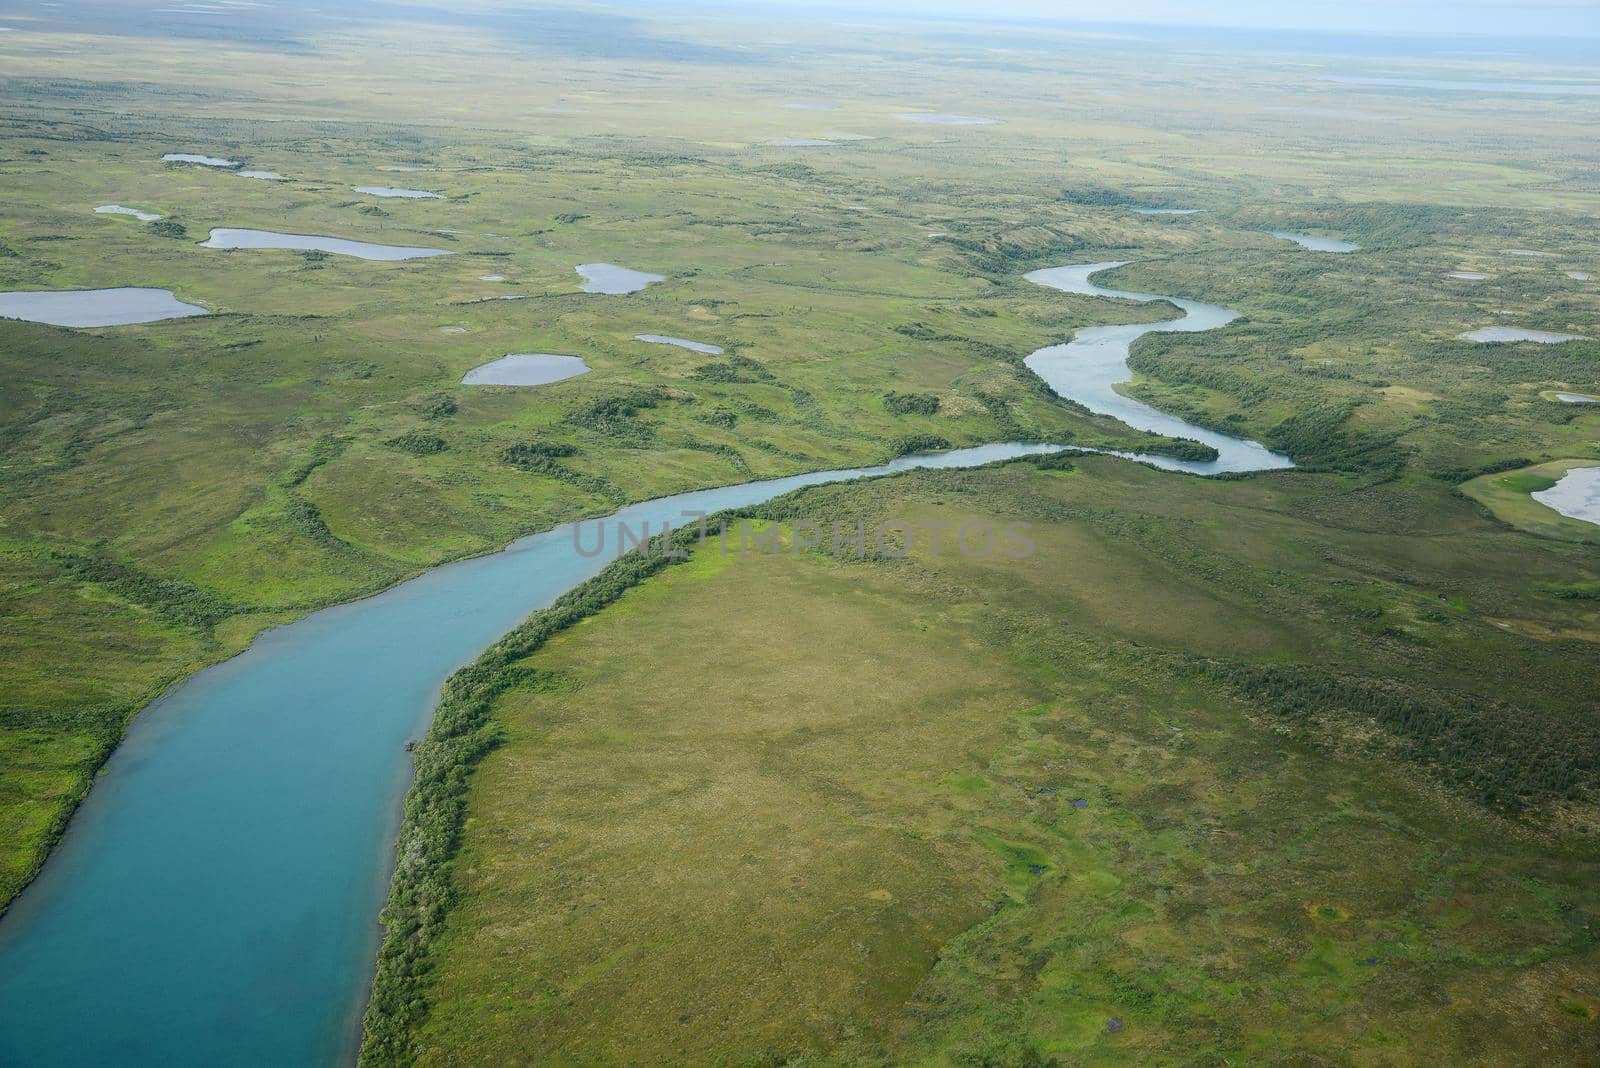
(215, 900)
(1088, 367)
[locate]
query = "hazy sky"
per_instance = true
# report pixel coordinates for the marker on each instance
(1555, 17)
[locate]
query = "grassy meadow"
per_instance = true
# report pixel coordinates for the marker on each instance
(993, 811)
(1334, 728)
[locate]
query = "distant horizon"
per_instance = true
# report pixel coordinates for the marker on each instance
(1475, 18)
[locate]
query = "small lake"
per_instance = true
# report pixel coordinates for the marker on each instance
(526, 369)
(118, 209)
(204, 161)
(941, 119)
(1445, 85)
(265, 176)
(96, 307)
(609, 278)
(1315, 243)
(1494, 334)
(1576, 495)
(1167, 211)
(1469, 276)
(682, 343)
(1576, 398)
(366, 250)
(1088, 367)
(390, 191)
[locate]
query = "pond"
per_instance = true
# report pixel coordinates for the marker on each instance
(803, 142)
(1489, 335)
(390, 191)
(942, 119)
(1469, 276)
(526, 369)
(1316, 243)
(204, 161)
(366, 250)
(696, 346)
(96, 307)
(1167, 211)
(265, 176)
(609, 278)
(1576, 495)
(1576, 398)
(118, 209)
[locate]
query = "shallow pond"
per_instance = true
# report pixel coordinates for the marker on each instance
(1579, 276)
(803, 142)
(1576, 398)
(1088, 367)
(941, 119)
(366, 250)
(390, 191)
(526, 369)
(1576, 495)
(1492, 334)
(696, 346)
(1168, 211)
(118, 209)
(1315, 243)
(204, 161)
(1469, 276)
(265, 176)
(96, 307)
(609, 278)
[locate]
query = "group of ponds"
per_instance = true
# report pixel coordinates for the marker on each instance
(215, 898)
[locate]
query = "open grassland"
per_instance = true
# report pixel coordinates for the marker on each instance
(168, 490)
(1015, 812)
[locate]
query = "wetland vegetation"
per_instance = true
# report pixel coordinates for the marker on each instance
(1288, 765)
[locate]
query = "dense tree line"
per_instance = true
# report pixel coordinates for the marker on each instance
(1506, 757)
